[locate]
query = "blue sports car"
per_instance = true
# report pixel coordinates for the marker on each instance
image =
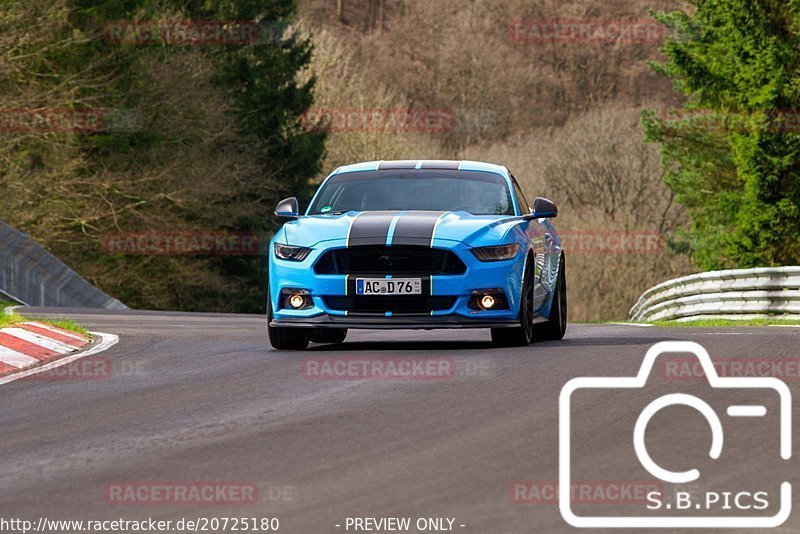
(417, 244)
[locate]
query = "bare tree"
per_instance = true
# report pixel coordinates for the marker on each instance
(340, 11)
(369, 16)
(375, 16)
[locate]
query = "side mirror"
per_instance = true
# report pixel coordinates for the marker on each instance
(288, 208)
(544, 209)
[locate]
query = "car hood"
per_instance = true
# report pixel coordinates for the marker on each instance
(408, 227)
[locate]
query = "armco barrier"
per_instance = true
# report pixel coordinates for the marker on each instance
(31, 276)
(735, 294)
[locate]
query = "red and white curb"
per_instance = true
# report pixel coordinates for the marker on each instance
(32, 347)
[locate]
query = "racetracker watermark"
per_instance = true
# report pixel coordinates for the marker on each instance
(689, 369)
(395, 368)
(586, 31)
(380, 120)
(183, 244)
(195, 32)
(51, 120)
(85, 121)
(88, 368)
(776, 121)
(613, 242)
(210, 493)
(583, 491)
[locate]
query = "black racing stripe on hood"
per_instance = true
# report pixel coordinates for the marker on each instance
(415, 228)
(370, 228)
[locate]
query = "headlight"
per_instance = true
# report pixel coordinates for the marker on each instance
(500, 253)
(290, 253)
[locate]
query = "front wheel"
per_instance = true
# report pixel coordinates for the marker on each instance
(519, 336)
(283, 338)
(556, 325)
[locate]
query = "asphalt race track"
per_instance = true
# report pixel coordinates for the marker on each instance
(201, 397)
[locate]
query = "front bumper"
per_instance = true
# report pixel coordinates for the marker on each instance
(455, 289)
(403, 322)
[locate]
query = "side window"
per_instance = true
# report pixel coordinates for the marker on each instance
(524, 207)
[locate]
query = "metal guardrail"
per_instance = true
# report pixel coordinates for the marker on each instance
(31, 276)
(736, 294)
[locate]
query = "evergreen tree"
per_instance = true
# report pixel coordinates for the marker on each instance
(733, 155)
(269, 106)
(212, 142)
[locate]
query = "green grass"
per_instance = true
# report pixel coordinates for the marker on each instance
(9, 319)
(6, 319)
(700, 323)
(66, 324)
(15, 318)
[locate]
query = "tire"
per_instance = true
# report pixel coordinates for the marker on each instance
(519, 336)
(556, 325)
(283, 338)
(328, 335)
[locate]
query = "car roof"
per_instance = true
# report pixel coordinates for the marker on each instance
(463, 165)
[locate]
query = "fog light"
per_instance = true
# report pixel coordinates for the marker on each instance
(487, 302)
(493, 299)
(297, 301)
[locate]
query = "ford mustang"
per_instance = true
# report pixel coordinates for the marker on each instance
(417, 244)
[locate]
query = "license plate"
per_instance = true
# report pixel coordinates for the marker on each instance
(390, 286)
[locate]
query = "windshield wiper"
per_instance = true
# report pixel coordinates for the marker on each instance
(337, 212)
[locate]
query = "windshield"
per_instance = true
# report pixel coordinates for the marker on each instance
(479, 193)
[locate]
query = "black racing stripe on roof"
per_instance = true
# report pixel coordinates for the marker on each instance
(371, 228)
(393, 165)
(415, 228)
(441, 165)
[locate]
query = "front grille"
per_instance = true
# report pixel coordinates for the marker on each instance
(390, 260)
(408, 304)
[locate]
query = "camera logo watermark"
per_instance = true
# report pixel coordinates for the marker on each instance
(678, 514)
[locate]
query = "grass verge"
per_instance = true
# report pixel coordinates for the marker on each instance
(8, 319)
(701, 323)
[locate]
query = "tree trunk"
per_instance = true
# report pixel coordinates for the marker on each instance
(369, 16)
(340, 11)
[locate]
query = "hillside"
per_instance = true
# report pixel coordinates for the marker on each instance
(215, 135)
(562, 113)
